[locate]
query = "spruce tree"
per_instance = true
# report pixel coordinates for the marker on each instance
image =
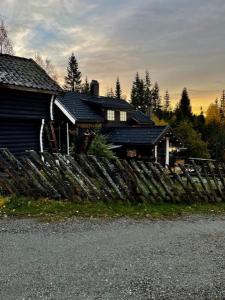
(222, 104)
(118, 91)
(141, 96)
(166, 106)
(156, 99)
(184, 108)
(138, 94)
(73, 78)
(148, 93)
(134, 92)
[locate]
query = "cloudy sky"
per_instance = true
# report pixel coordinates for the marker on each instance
(181, 42)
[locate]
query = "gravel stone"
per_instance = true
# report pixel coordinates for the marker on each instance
(113, 259)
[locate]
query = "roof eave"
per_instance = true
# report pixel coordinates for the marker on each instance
(29, 89)
(165, 131)
(89, 121)
(65, 111)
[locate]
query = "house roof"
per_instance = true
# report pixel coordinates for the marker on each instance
(76, 109)
(24, 73)
(141, 118)
(85, 108)
(137, 135)
(107, 102)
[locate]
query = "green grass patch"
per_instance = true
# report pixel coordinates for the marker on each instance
(51, 210)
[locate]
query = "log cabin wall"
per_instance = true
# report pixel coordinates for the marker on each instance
(21, 114)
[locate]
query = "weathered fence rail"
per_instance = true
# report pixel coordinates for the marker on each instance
(90, 178)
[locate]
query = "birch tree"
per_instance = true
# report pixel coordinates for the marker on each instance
(6, 46)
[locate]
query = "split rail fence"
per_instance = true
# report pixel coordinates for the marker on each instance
(91, 178)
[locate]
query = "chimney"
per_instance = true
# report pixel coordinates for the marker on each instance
(94, 86)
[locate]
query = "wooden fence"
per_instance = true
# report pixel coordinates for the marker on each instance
(90, 178)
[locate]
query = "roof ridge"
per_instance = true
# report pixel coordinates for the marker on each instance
(15, 56)
(26, 73)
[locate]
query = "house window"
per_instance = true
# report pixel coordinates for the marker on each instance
(110, 115)
(123, 116)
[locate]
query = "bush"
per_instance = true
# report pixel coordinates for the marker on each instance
(100, 148)
(192, 139)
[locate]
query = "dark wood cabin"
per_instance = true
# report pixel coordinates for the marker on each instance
(26, 103)
(130, 132)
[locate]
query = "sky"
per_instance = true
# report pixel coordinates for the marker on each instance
(180, 42)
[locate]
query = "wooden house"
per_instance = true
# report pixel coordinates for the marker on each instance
(31, 102)
(129, 131)
(26, 103)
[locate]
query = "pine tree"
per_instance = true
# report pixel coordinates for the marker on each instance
(134, 92)
(148, 93)
(118, 91)
(222, 104)
(156, 99)
(185, 104)
(138, 94)
(73, 78)
(166, 106)
(5, 43)
(86, 87)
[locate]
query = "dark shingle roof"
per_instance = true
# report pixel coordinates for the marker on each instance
(107, 102)
(77, 108)
(137, 135)
(25, 73)
(141, 118)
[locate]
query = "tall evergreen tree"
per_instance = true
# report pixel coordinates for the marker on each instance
(138, 94)
(148, 93)
(222, 104)
(73, 78)
(5, 43)
(118, 91)
(184, 106)
(134, 92)
(156, 99)
(166, 105)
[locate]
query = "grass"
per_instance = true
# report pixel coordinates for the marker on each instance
(50, 210)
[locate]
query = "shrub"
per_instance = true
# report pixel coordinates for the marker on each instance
(100, 148)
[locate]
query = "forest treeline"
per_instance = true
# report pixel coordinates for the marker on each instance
(202, 134)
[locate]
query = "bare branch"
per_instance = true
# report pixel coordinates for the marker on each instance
(6, 46)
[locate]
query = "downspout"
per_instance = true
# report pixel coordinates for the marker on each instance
(67, 139)
(41, 135)
(51, 108)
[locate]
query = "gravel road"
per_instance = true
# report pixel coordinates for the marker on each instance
(119, 259)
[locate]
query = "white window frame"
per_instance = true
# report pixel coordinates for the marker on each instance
(111, 115)
(123, 116)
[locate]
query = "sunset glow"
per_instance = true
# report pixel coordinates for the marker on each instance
(181, 43)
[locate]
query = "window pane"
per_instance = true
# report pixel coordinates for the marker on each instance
(123, 116)
(110, 115)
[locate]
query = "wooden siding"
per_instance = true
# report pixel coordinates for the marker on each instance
(19, 136)
(20, 104)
